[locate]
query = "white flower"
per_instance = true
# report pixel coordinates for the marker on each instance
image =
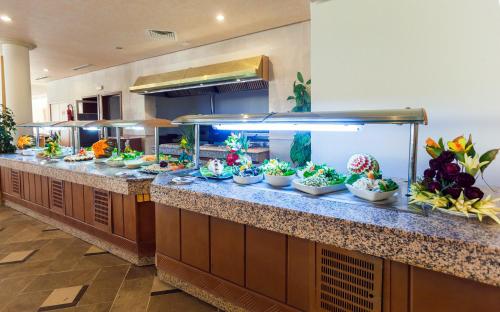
(472, 165)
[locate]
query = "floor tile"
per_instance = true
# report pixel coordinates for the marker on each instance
(28, 302)
(10, 287)
(105, 286)
(52, 281)
(160, 288)
(94, 250)
(17, 256)
(63, 298)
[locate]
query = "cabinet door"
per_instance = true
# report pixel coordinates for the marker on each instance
(195, 241)
(168, 231)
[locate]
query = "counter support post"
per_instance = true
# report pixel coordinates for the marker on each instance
(157, 144)
(37, 136)
(412, 155)
(196, 156)
(118, 140)
(72, 140)
(76, 132)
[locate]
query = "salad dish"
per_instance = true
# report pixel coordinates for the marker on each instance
(319, 179)
(165, 166)
(371, 186)
(278, 173)
(53, 149)
(216, 169)
(245, 172)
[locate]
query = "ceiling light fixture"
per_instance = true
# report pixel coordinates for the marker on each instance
(46, 70)
(5, 18)
(81, 66)
(220, 18)
(119, 48)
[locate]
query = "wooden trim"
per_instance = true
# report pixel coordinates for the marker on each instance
(235, 295)
(4, 95)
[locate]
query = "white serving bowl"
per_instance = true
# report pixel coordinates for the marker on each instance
(279, 181)
(134, 164)
(315, 190)
(370, 195)
(115, 163)
(248, 180)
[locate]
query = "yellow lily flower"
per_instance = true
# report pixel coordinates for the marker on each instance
(458, 144)
(431, 143)
(472, 165)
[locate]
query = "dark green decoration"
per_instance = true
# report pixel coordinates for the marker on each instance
(300, 151)
(7, 130)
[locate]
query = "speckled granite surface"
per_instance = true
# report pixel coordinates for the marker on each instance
(448, 244)
(86, 173)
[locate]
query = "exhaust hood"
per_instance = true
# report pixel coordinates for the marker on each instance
(238, 75)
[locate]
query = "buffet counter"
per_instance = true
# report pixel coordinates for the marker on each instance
(290, 251)
(89, 200)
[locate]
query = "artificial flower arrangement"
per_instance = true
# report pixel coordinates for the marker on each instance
(448, 183)
(237, 146)
(319, 179)
(278, 173)
(366, 181)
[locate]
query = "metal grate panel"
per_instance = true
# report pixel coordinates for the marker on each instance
(348, 281)
(15, 180)
(102, 208)
(57, 196)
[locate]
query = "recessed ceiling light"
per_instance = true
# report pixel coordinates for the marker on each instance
(5, 18)
(220, 18)
(46, 70)
(119, 48)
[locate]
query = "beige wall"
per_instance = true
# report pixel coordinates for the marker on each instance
(443, 55)
(287, 47)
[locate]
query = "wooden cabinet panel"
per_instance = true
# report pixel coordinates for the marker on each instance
(68, 202)
(78, 202)
(117, 213)
(434, 291)
(3, 180)
(396, 283)
(168, 231)
(45, 182)
(38, 190)
(88, 200)
(195, 242)
(227, 250)
(300, 273)
(57, 196)
(266, 262)
(32, 189)
(130, 217)
(25, 185)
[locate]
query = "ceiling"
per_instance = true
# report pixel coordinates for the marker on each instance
(70, 33)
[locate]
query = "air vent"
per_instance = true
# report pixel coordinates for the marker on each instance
(81, 66)
(15, 180)
(155, 34)
(57, 196)
(102, 209)
(348, 281)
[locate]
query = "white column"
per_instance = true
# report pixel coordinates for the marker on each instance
(18, 81)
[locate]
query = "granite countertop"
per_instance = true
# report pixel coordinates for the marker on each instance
(85, 172)
(392, 230)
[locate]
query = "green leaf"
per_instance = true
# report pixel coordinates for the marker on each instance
(308, 82)
(441, 143)
(290, 98)
(488, 156)
(460, 156)
(300, 77)
(471, 151)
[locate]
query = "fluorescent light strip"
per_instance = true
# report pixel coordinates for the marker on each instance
(288, 127)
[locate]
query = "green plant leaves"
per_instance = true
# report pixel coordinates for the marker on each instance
(300, 77)
(488, 156)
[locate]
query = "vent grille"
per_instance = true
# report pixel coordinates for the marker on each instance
(155, 34)
(102, 208)
(15, 180)
(57, 195)
(348, 281)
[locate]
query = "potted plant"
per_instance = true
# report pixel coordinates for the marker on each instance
(300, 151)
(278, 173)
(7, 130)
(448, 184)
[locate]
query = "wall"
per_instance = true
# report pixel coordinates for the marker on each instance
(442, 55)
(287, 48)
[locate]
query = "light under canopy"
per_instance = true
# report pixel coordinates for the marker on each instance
(286, 126)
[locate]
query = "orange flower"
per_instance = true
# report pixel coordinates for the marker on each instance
(458, 145)
(431, 143)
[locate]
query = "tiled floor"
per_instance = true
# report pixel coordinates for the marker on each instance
(45, 269)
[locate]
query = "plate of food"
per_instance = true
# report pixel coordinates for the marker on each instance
(53, 149)
(115, 161)
(133, 163)
(216, 169)
(245, 172)
(82, 155)
(148, 159)
(371, 186)
(319, 179)
(278, 173)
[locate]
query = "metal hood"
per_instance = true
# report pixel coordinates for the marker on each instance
(238, 75)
